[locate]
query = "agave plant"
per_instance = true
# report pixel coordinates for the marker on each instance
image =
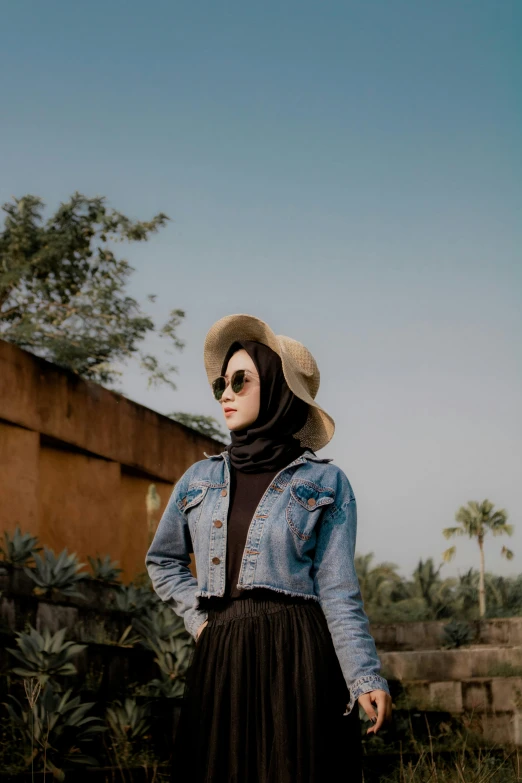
(159, 622)
(128, 721)
(105, 570)
(54, 730)
(162, 688)
(44, 656)
(164, 633)
(128, 725)
(20, 548)
(455, 634)
(132, 599)
(172, 655)
(56, 572)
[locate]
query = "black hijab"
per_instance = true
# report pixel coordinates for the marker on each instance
(267, 444)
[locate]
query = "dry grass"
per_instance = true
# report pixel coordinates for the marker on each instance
(471, 767)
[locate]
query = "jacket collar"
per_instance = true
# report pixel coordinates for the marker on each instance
(307, 455)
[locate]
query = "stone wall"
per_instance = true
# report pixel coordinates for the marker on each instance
(481, 682)
(461, 664)
(428, 635)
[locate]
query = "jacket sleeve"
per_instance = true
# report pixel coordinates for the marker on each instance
(168, 558)
(337, 588)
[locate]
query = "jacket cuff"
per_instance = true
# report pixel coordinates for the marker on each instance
(193, 619)
(370, 682)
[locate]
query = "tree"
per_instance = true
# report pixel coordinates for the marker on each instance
(476, 520)
(207, 425)
(428, 585)
(378, 584)
(62, 289)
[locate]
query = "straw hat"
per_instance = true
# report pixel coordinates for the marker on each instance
(299, 368)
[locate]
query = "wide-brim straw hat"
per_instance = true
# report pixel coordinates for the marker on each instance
(299, 367)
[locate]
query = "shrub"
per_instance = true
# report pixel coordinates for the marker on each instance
(160, 622)
(505, 669)
(44, 656)
(20, 548)
(105, 570)
(54, 572)
(456, 634)
(54, 730)
(132, 599)
(129, 726)
(164, 633)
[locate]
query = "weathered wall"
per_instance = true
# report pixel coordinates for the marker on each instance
(440, 665)
(76, 460)
(429, 635)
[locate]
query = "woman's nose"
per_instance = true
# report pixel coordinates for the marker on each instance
(226, 396)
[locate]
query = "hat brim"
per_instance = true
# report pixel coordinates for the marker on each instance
(319, 427)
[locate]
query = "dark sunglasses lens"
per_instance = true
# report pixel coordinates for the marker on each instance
(218, 387)
(238, 381)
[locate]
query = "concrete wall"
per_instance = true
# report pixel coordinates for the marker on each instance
(440, 665)
(76, 460)
(495, 694)
(428, 635)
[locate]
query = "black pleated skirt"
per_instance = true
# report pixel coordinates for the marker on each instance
(265, 697)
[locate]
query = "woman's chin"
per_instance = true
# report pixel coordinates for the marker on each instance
(238, 425)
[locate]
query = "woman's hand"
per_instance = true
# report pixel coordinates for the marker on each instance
(383, 702)
(200, 629)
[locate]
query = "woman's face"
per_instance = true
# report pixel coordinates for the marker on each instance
(241, 409)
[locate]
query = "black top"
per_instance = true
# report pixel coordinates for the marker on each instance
(246, 491)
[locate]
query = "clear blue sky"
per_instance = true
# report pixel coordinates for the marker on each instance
(348, 171)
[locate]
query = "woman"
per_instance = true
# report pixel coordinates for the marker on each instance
(283, 651)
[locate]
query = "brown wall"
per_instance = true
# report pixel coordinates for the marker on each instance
(77, 460)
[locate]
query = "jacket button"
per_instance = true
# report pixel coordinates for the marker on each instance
(218, 523)
(216, 560)
(311, 501)
(224, 493)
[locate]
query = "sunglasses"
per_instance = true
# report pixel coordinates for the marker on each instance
(237, 383)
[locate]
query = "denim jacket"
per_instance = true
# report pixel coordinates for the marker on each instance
(301, 542)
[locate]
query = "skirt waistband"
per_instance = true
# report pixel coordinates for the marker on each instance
(224, 610)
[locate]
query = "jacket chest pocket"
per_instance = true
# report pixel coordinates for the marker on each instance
(191, 504)
(307, 502)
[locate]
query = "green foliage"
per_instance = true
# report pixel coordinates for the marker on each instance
(105, 570)
(476, 520)
(468, 765)
(504, 595)
(54, 730)
(56, 572)
(46, 655)
(20, 548)
(390, 598)
(162, 687)
(63, 291)
(129, 729)
(206, 425)
(133, 599)
(381, 584)
(447, 598)
(456, 634)
(504, 669)
(164, 633)
(128, 721)
(160, 622)
(12, 760)
(172, 655)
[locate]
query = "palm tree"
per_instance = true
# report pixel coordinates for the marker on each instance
(378, 583)
(475, 520)
(427, 584)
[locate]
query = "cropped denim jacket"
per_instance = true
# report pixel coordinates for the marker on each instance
(301, 542)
